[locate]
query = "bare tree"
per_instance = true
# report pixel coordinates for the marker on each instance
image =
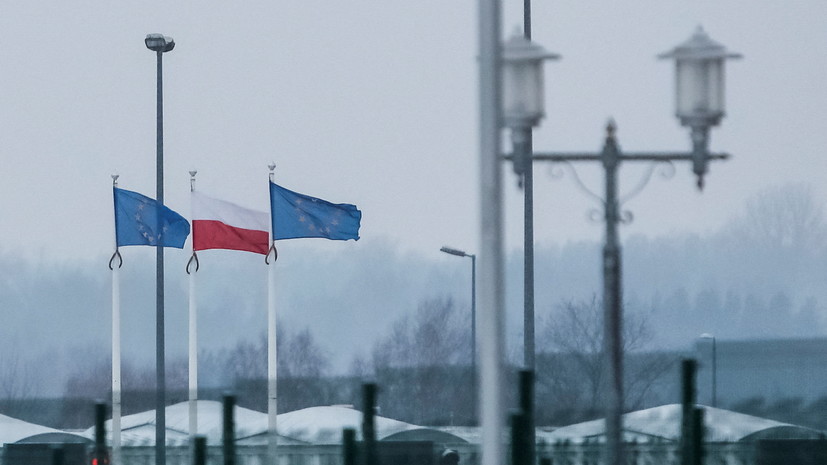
(423, 366)
(17, 381)
(782, 218)
(570, 370)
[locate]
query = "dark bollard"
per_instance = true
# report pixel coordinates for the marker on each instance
(99, 453)
(369, 424)
(228, 436)
(349, 446)
(697, 436)
(199, 450)
(688, 368)
(527, 408)
(519, 446)
(58, 457)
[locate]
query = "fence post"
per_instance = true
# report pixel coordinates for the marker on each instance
(369, 424)
(99, 453)
(688, 367)
(527, 406)
(349, 446)
(228, 436)
(199, 450)
(57, 454)
(697, 436)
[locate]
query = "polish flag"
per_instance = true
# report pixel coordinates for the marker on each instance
(217, 224)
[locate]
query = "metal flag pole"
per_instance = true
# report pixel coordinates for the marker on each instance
(193, 332)
(272, 360)
(116, 344)
(492, 320)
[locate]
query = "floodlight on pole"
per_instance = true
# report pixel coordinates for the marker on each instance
(159, 44)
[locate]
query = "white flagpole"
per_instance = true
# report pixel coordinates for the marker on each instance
(193, 335)
(116, 348)
(272, 393)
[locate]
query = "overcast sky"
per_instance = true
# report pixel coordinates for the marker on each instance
(374, 103)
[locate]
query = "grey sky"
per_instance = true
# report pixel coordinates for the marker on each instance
(373, 103)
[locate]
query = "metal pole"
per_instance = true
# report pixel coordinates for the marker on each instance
(369, 424)
(714, 374)
(612, 306)
(474, 412)
(528, 229)
(193, 338)
(528, 259)
(160, 388)
(228, 430)
(492, 321)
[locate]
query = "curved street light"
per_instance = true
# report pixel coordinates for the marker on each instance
(461, 253)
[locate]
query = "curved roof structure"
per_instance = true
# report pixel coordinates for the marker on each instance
(664, 424)
(14, 430)
(139, 429)
(324, 425)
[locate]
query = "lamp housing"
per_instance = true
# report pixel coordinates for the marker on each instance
(523, 102)
(159, 43)
(699, 79)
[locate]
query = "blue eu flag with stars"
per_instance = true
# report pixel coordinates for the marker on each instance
(136, 222)
(295, 215)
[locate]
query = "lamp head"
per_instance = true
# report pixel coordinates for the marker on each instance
(159, 43)
(523, 94)
(449, 250)
(699, 79)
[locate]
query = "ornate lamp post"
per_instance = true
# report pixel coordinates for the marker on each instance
(700, 105)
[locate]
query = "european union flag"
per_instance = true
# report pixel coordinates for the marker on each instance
(295, 215)
(136, 222)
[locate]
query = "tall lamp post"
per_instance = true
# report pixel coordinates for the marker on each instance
(461, 253)
(700, 106)
(707, 336)
(160, 45)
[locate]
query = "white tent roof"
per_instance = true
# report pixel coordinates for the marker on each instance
(664, 423)
(13, 430)
(315, 425)
(324, 425)
(139, 429)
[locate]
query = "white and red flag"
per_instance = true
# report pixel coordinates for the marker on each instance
(218, 224)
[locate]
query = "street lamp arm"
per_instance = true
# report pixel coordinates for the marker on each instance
(633, 156)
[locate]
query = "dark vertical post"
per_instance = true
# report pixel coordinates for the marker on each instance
(474, 394)
(199, 450)
(688, 368)
(697, 436)
(349, 446)
(528, 226)
(714, 374)
(160, 369)
(527, 409)
(369, 424)
(58, 457)
(519, 446)
(612, 305)
(100, 433)
(228, 430)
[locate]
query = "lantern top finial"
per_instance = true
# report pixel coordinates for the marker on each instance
(699, 47)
